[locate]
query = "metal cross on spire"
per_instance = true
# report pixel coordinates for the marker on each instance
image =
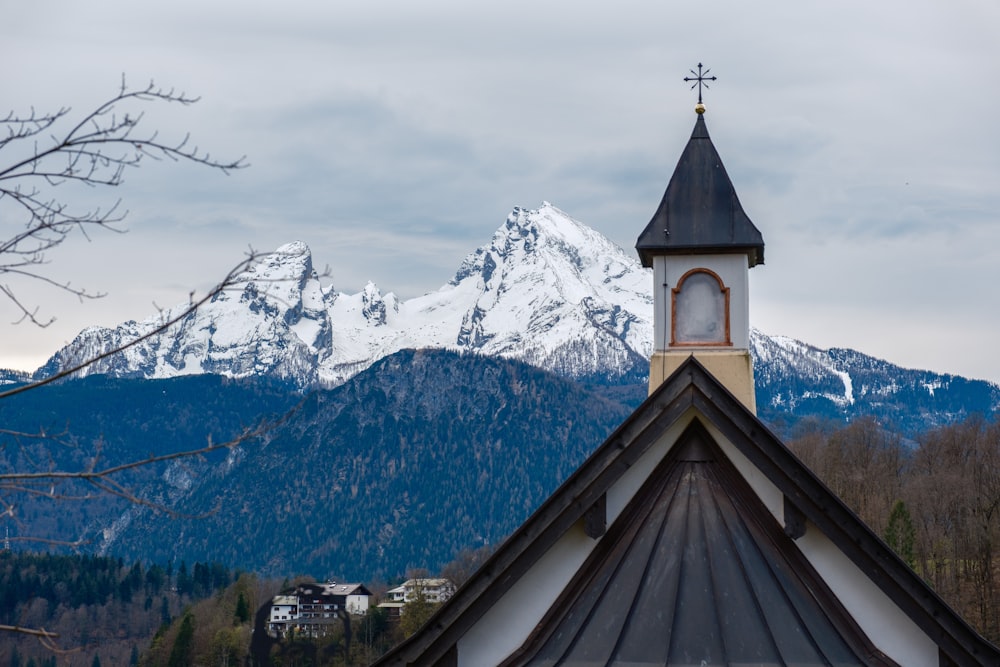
(699, 80)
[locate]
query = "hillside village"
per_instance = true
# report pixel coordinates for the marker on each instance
(314, 610)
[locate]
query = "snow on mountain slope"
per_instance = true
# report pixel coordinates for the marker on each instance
(786, 364)
(274, 320)
(547, 290)
(794, 379)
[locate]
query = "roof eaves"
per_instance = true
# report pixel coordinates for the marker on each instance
(957, 639)
(546, 525)
(691, 463)
(691, 385)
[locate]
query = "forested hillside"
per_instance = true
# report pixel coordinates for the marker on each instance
(424, 454)
(97, 606)
(99, 422)
(346, 483)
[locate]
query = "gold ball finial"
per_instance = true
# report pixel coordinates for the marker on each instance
(699, 108)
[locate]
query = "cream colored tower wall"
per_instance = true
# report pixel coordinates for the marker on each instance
(731, 365)
(732, 368)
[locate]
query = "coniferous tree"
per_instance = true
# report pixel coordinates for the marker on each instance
(416, 611)
(900, 534)
(165, 611)
(185, 584)
(180, 655)
(242, 609)
(155, 578)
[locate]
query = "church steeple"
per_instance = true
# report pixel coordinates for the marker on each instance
(701, 245)
(700, 212)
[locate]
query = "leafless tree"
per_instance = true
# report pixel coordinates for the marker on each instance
(40, 155)
(950, 487)
(40, 152)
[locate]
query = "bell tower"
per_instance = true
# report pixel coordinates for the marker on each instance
(701, 246)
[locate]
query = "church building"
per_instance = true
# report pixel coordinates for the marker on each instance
(693, 536)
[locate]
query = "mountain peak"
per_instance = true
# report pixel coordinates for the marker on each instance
(291, 261)
(546, 289)
(546, 218)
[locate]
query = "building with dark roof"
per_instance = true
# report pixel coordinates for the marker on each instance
(314, 609)
(692, 535)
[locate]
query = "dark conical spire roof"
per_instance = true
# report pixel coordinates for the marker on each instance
(700, 212)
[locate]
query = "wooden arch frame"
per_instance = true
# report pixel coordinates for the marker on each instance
(675, 292)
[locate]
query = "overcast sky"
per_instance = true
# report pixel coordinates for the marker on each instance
(394, 137)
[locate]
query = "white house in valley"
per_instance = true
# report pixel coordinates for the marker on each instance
(284, 609)
(354, 597)
(434, 590)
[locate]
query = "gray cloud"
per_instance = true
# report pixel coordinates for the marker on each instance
(393, 138)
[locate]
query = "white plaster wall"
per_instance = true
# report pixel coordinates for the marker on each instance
(508, 623)
(357, 604)
(732, 268)
(886, 625)
(882, 621)
(506, 626)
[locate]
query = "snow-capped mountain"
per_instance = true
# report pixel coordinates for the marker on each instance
(273, 320)
(795, 380)
(547, 290)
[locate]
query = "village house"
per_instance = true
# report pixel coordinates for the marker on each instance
(312, 610)
(434, 590)
(354, 598)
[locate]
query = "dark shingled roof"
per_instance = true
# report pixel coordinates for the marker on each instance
(696, 571)
(703, 470)
(700, 212)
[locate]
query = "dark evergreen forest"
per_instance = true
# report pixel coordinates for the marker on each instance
(101, 608)
(425, 454)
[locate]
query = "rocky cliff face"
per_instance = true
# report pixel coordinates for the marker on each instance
(546, 290)
(274, 320)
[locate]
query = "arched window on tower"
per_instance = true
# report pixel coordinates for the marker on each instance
(700, 310)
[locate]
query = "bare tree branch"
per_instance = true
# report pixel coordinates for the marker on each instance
(251, 258)
(29, 631)
(95, 151)
(38, 153)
